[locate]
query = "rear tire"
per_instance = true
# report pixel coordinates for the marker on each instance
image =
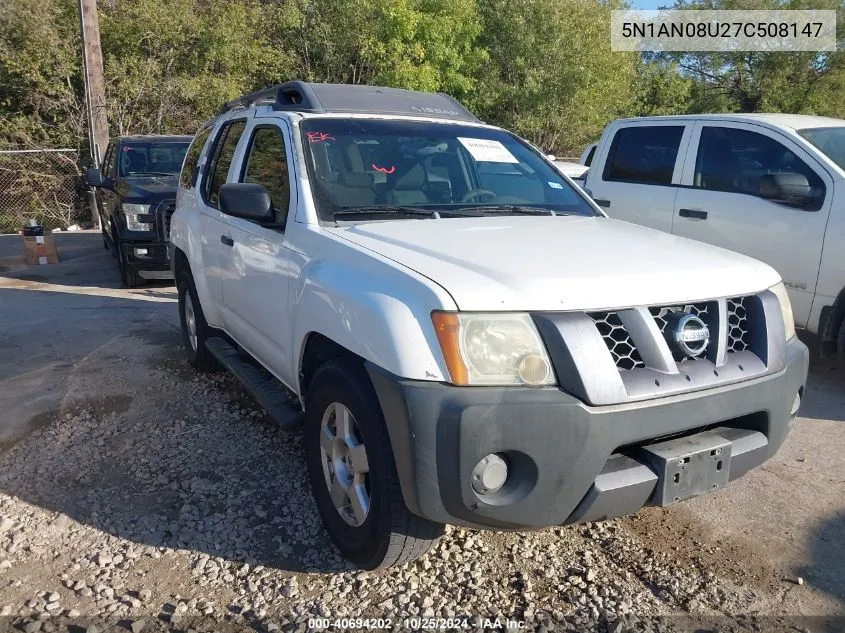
(195, 329)
(840, 343)
(387, 534)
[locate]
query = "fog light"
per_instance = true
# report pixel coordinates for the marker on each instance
(140, 251)
(796, 404)
(489, 474)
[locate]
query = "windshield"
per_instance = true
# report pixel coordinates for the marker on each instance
(424, 169)
(830, 140)
(151, 159)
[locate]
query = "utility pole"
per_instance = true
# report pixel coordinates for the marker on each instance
(95, 85)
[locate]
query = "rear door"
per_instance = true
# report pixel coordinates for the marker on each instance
(215, 228)
(256, 275)
(720, 203)
(635, 171)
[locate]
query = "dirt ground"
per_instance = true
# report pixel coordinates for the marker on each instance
(135, 494)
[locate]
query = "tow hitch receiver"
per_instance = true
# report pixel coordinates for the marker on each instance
(687, 467)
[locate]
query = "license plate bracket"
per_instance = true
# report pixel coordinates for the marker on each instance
(687, 467)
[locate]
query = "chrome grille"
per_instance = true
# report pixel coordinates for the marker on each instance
(661, 314)
(738, 333)
(617, 339)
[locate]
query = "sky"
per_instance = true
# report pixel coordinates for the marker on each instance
(650, 4)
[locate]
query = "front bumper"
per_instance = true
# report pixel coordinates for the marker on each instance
(568, 461)
(149, 258)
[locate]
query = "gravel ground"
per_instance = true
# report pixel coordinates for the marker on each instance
(153, 498)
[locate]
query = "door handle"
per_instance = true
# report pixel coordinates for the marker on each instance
(228, 241)
(693, 213)
(602, 203)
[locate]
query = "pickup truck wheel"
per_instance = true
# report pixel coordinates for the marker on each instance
(840, 342)
(353, 474)
(195, 329)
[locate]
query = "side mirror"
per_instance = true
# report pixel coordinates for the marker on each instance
(94, 177)
(246, 200)
(791, 189)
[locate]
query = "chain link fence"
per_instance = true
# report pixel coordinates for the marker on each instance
(45, 184)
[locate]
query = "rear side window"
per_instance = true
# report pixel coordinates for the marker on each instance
(224, 151)
(267, 165)
(188, 177)
(644, 154)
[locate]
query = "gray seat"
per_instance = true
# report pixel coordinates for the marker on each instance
(407, 187)
(351, 189)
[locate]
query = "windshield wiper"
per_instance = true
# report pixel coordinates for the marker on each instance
(386, 210)
(152, 173)
(511, 208)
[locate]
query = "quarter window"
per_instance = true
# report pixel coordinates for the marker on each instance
(644, 154)
(267, 165)
(734, 160)
(224, 151)
(188, 177)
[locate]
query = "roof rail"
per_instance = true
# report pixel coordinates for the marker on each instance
(299, 96)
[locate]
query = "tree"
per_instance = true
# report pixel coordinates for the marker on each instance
(552, 76)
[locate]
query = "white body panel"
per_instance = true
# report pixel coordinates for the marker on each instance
(371, 287)
(604, 264)
(803, 246)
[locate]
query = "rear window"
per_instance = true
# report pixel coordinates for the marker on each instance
(644, 154)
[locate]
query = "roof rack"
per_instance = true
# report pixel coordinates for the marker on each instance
(299, 96)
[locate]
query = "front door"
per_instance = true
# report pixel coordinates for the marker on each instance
(721, 204)
(257, 277)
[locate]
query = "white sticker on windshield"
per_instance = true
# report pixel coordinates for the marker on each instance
(555, 185)
(487, 151)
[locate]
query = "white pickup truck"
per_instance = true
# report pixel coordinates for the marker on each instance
(464, 337)
(771, 186)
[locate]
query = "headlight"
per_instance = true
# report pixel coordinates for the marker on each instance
(492, 349)
(132, 211)
(785, 309)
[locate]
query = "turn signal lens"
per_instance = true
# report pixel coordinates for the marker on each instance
(448, 328)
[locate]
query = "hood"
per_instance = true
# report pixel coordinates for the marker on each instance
(150, 188)
(560, 263)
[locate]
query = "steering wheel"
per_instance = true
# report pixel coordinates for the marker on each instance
(474, 193)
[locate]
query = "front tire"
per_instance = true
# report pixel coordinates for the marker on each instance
(353, 473)
(195, 329)
(128, 275)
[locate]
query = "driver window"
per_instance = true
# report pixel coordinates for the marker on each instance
(267, 165)
(734, 160)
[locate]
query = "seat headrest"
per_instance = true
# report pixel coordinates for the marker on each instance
(355, 179)
(414, 178)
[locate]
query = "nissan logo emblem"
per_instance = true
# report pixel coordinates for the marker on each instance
(690, 335)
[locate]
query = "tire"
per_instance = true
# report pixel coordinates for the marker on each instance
(840, 343)
(388, 533)
(198, 355)
(128, 275)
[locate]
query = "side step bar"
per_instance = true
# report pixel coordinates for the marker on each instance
(278, 407)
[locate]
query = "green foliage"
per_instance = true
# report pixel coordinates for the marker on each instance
(552, 76)
(543, 68)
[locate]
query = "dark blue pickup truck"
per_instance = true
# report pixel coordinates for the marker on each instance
(136, 191)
